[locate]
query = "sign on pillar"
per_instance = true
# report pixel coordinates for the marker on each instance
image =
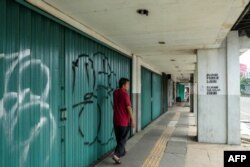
(212, 84)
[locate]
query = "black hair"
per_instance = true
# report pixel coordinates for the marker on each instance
(123, 81)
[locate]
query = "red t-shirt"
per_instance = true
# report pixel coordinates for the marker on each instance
(121, 103)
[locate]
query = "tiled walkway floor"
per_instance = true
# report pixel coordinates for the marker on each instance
(170, 142)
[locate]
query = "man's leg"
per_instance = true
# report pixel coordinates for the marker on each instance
(121, 133)
(124, 138)
(118, 139)
(116, 155)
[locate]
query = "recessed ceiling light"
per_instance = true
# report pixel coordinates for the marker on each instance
(161, 42)
(143, 12)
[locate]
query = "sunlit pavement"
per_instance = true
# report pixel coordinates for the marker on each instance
(245, 118)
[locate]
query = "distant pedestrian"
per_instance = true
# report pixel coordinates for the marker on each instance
(122, 117)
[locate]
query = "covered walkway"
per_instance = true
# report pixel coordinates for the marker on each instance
(60, 62)
(171, 141)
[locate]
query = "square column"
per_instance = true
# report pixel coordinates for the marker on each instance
(170, 92)
(218, 93)
(233, 88)
(191, 93)
(195, 92)
(136, 90)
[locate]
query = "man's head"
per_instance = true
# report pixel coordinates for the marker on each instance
(124, 83)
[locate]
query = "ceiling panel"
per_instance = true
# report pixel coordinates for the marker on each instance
(184, 26)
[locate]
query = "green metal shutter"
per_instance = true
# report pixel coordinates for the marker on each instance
(3, 141)
(156, 95)
(92, 75)
(146, 105)
(29, 96)
(38, 83)
(181, 91)
(150, 96)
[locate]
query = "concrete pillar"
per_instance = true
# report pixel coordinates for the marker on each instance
(212, 108)
(218, 93)
(195, 92)
(189, 88)
(136, 90)
(191, 93)
(174, 93)
(233, 88)
(165, 97)
(170, 93)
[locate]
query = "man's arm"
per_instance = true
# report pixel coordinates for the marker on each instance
(130, 111)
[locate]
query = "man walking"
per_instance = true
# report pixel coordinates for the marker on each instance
(122, 116)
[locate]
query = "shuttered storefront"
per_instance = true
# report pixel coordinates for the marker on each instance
(180, 89)
(156, 95)
(89, 83)
(150, 96)
(55, 92)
